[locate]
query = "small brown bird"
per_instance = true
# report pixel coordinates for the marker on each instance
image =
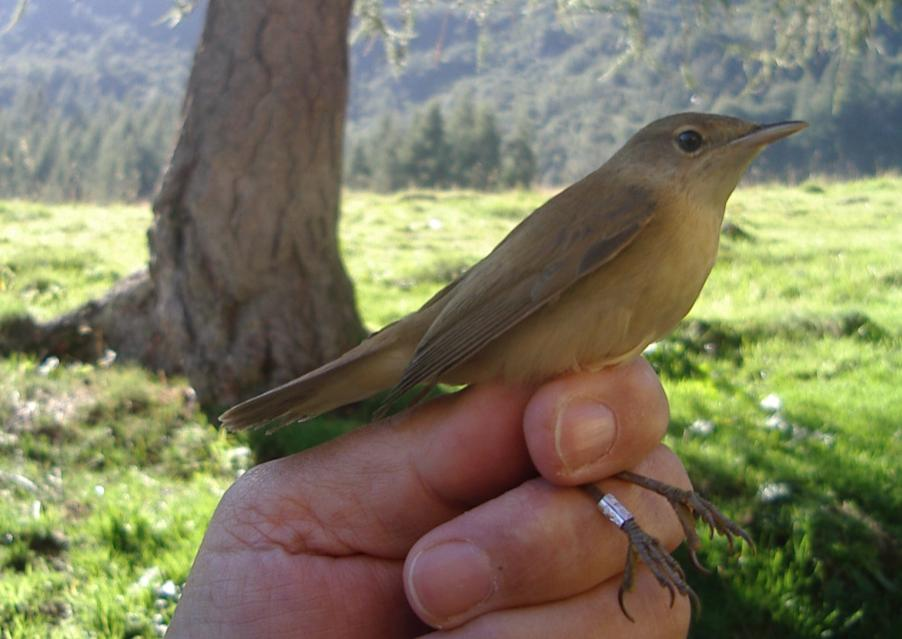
(588, 280)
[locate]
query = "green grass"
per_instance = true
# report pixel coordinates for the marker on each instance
(401, 248)
(107, 480)
(54, 257)
(109, 475)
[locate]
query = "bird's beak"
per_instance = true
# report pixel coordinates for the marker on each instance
(768, 133)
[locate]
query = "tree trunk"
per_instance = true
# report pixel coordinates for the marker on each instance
(122, 321)
(250, 289)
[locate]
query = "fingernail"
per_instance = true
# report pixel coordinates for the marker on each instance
(449, 579)
(584, 432)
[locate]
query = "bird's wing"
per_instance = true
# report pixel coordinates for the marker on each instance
(567, 238)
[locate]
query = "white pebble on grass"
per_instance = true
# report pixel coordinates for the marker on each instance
(168, 590)
(703, 427)
(776, 422)
(825, 438)
(773, 491)
(149, 576)
(109, 356)
(772, 403)
(48, 366)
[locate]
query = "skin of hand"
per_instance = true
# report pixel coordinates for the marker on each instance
(456, 519)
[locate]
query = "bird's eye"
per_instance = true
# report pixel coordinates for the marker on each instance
(689, 141)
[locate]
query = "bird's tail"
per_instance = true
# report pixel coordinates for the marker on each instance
(375, 365)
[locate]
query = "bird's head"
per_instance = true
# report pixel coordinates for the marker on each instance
(699, 154)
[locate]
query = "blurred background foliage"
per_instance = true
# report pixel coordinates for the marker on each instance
(533, 91)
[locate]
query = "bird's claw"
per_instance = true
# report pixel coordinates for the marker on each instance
(665, 568)
(646, 548)
(691, 507)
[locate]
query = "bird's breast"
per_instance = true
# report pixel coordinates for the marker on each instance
(614, 312)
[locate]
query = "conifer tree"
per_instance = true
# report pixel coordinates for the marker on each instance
(518, 166)
(462, 134)
(387, 168)
(359, 175)
(484, 173)
(427, 152)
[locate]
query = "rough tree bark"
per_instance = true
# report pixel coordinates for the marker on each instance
(123, 321)
(250, 289)
(246, 286)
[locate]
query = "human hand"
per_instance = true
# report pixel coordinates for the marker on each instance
(438, 518)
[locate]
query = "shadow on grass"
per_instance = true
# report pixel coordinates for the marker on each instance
(727, 611)
(827, 563)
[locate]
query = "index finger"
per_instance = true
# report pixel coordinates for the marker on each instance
(379, 489)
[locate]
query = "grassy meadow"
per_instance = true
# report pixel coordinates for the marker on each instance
(785, 385)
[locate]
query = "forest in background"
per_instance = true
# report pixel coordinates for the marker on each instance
(90, 96)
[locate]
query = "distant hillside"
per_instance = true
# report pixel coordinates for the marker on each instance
(106, 48)
(557, 77)
(80, 58)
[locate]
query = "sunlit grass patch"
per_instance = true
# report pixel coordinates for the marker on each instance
(107, 480)
(55, 257)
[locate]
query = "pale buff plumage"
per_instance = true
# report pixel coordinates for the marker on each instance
(587, 280)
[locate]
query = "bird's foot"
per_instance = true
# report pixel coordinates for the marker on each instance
(690, 507)
(665, 568)
(643, 546)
